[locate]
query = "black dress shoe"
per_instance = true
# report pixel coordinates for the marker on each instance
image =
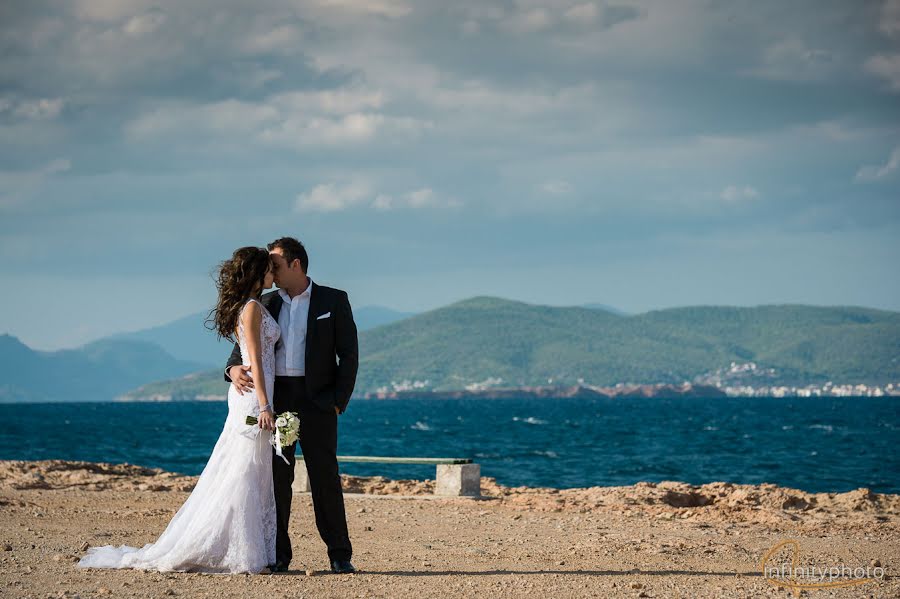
(341, 566)
(278, 567)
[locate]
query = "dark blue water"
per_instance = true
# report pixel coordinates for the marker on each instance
(815, 444)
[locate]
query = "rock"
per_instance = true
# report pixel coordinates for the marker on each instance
(103, 591)
(310, 572)
(795, 503)
(171, 592)
(875, 563)
(687, 499)
(637, 585)
(84, 546)
(7, 547)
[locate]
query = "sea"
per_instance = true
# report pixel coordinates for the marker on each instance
(819, 444)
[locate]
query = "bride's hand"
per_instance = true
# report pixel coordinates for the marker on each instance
(240, 378)
(266, 421)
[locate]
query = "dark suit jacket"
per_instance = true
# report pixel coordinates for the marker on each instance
(332, 347)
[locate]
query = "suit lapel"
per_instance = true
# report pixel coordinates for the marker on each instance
(315, 300)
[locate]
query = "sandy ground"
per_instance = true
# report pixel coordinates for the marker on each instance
(647, 540)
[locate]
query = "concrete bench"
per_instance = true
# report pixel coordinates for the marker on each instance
(455, 476)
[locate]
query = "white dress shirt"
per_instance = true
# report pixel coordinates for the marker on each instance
(290, 354)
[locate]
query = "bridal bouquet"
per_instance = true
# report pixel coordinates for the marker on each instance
(287, 431)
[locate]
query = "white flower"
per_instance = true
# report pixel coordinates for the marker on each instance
(281, 422)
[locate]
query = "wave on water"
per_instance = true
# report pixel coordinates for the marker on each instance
(529, 420)
(825, 427)
(547, 453)
(420, 426)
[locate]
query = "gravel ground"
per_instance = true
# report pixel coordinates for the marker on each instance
(647, 540)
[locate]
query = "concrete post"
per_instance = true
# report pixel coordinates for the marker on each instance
(301, 478)
(458, 479)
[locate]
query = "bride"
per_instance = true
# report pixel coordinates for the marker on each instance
(227, 524)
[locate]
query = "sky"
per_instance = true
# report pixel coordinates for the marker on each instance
(642, 154)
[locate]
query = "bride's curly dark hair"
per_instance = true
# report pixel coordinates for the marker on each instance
(239, 279)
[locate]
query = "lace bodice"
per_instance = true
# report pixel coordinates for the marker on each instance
(270, 333)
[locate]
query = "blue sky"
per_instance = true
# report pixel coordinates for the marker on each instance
(643, 155)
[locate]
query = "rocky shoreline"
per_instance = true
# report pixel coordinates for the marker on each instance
(552, 392)
(540, 392)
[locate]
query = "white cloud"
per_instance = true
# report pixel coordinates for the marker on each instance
(470, 27)
(872, 173)
(793, 60)
(582, 13)
(887, 67)
(383, 202)
(528, 21)
(273, 39)
(145, 23)
(417, 199)
(301, 131)
(421, 198)
(340, 101)
(384, 8)
(734, 193)
(108, 10)
(556, 187)
(296, 120)
(33, 109)
(330, 197)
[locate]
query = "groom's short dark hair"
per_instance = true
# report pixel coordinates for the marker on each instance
(292, 250)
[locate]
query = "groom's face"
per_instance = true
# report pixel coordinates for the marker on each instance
(285, 273)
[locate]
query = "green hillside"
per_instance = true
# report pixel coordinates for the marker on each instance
(524, 344)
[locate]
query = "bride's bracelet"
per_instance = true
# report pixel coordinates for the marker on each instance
(265, 408)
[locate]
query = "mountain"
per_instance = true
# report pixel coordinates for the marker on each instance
(369, 317)
(188, 338)
(185, 339)
(98, 371)
(484, 339)
(606, 307)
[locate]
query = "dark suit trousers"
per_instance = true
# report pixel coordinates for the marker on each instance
(318, 442)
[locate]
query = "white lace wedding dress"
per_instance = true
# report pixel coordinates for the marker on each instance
(227, 525)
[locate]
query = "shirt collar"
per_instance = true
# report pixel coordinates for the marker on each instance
(307, 293)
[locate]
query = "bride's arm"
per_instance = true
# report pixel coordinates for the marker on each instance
(251, 318)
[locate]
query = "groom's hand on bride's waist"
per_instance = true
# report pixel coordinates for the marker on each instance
(240, 377)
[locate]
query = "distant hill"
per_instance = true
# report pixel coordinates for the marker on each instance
(486, 338)
(98, 371)
(369, 317)
(607, 308)
(188, 338)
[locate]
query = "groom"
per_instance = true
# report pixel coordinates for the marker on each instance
(316, 328)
